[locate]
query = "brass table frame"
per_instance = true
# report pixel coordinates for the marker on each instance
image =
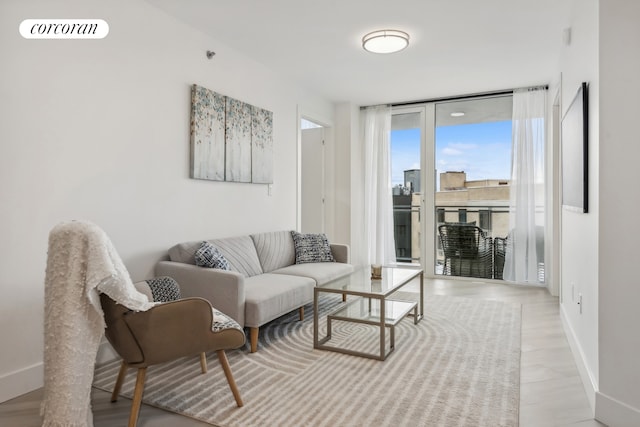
(366, 288)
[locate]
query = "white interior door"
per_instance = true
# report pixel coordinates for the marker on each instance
(312, 218)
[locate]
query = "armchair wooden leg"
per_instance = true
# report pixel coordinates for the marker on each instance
(253, 339)
(301, 313)
(227, 372)
(344, 297)
(137, 397)
(121, 375)
(203, 362)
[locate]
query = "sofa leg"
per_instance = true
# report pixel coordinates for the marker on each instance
(301, 313)
(253, 339)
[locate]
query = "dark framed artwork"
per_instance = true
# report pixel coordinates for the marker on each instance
(575, 153)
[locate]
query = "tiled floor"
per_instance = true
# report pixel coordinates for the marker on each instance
(551, 393)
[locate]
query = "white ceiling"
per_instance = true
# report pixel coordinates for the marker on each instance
(457, 46)
(492, 109)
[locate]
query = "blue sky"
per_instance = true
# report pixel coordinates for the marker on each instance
(482, 150)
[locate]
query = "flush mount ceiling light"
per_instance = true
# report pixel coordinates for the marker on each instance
(385, 41)
(457, 114)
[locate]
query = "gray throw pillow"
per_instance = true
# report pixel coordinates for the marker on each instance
(209, 256)
(312, 248)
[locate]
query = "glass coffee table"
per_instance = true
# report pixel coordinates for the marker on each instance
(373, 306)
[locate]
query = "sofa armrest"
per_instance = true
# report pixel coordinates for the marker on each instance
(223, 289)
(341, 252)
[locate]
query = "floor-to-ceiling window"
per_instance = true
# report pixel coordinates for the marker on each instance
(473, 167)
(407, 129)
(451, 165)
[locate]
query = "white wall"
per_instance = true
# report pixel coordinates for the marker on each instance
(618, 399)
(598, 249)
(99, 130)
(579, 257)
(346, 137)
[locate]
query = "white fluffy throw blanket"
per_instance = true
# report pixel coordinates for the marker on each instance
(81, 263)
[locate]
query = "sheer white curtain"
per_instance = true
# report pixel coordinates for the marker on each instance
(378, 239)
(525, 246)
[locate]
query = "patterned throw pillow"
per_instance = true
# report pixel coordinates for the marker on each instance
(209, 256)
(164, 289)
(312, 248)
(221, 322)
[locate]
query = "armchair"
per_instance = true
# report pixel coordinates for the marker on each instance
(467, 251)
(174, 329)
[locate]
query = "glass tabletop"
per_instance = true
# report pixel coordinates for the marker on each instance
(369, 311)
(360, 281)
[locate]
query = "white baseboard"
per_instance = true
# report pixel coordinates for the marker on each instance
(588, 381)
(22, 381)
(106, 353)
(614, 413)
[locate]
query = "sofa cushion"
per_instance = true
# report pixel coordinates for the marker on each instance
(275, 249)
(209, 256)
(311, 248)
(184, 252)
(321, 272)
(241, 254)
(269, 296)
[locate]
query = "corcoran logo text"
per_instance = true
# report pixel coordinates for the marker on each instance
(64, 29)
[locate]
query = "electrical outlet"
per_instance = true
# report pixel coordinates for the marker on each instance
(580, 302)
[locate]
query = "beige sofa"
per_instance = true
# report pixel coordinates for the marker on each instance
(263, 283)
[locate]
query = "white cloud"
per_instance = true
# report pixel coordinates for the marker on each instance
(448, 151)
(463, 146)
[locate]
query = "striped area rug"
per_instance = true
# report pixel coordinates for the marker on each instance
(460, 366)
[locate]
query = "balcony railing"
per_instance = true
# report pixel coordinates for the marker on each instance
(406, 219)
(493, 220)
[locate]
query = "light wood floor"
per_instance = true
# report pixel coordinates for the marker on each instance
(551, 393)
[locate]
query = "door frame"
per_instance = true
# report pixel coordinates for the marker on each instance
(328, 183)
(322, 178)
(427, 179)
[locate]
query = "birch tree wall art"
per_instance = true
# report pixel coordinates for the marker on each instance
(230, 139)
(207, 134)
(238, 139)
(261, 146)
